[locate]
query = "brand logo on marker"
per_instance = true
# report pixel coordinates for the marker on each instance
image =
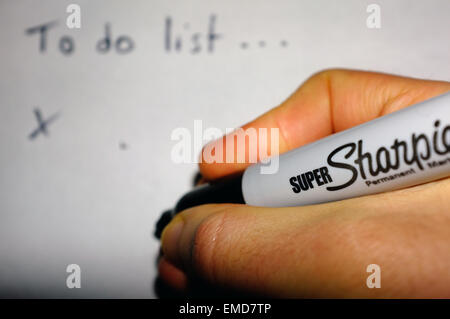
(401, 153)
(305, 181)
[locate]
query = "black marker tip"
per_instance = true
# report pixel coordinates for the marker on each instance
(163, 221)
(226, 190)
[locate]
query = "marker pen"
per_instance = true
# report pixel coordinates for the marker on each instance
(401, 149)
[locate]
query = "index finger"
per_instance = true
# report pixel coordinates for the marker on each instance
(328, 102)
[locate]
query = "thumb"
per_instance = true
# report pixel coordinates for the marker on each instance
(320, 250)
(268, 251)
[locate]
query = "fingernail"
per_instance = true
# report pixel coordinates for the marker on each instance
(170, 238)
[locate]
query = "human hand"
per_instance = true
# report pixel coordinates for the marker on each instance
(321, 250)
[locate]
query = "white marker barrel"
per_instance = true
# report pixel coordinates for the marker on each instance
(401, 149)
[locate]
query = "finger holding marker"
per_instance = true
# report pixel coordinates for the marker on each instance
(319, 250)
(330, 101)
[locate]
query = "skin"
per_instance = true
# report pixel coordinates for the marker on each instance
(321, 250)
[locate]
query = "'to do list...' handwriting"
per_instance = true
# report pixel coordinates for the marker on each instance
(177, 38)
(66, 44)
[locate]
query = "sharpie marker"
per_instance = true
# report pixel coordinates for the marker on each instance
(401, 149)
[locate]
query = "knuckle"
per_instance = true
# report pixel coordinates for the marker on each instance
(207, 251)
(326, 74)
